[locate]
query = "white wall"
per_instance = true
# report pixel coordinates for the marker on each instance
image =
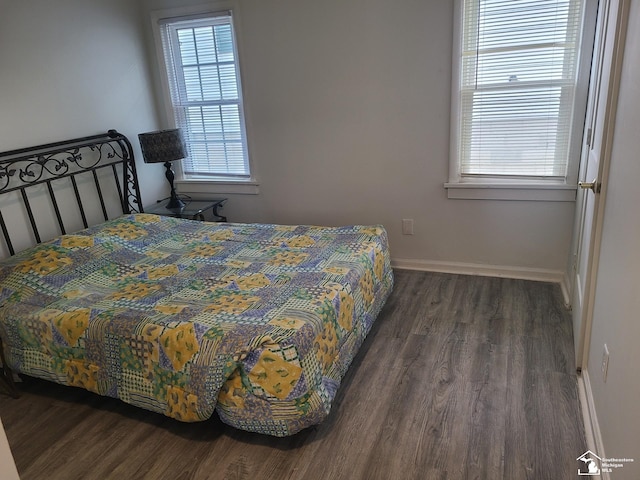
(617, 299)
(7, 465)
(348, 122)
(347, 106)
(72, 68)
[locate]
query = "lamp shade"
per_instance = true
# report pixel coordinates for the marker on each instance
(162, 146)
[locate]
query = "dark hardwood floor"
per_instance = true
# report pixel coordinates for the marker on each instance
(462, 377)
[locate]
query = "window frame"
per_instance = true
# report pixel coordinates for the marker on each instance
(202, 184)
(513, 188)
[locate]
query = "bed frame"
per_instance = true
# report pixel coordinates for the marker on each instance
(31, 169)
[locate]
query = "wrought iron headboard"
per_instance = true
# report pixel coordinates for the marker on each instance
(23, 169)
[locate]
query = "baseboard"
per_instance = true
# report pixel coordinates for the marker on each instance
(565, 286)
(591, 425)
(521, 273)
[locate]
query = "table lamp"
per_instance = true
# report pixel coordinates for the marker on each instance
(165, 146)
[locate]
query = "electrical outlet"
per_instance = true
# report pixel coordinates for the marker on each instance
(407, 226)
(605, 362)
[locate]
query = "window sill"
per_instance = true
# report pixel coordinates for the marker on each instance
(511, 191)
(200, 186)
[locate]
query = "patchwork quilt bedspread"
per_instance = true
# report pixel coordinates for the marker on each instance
(257, 322)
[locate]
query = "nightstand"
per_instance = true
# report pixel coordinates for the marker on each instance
(193, 209)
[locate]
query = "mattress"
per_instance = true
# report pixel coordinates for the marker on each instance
(257, 322)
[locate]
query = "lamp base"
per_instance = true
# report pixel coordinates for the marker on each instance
(175, 203)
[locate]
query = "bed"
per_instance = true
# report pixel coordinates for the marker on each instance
(258, 323)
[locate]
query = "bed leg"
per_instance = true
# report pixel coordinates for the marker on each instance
(6, 376)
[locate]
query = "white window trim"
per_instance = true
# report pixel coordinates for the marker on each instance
(200, 186)
(548, 192)
(515, 189)
(209, 185)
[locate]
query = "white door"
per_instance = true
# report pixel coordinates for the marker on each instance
(601, 107)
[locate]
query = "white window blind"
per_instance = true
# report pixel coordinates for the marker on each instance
(518, 73)
(203, 73)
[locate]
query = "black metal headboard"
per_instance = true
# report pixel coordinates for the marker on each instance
(68, 163)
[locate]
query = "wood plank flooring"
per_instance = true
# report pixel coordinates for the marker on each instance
(462, 377)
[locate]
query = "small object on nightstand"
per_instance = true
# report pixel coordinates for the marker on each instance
(193, 209)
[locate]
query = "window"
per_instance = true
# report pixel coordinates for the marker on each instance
(204, 83)
(519, 93)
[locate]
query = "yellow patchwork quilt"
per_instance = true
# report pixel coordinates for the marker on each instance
(257, 322)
